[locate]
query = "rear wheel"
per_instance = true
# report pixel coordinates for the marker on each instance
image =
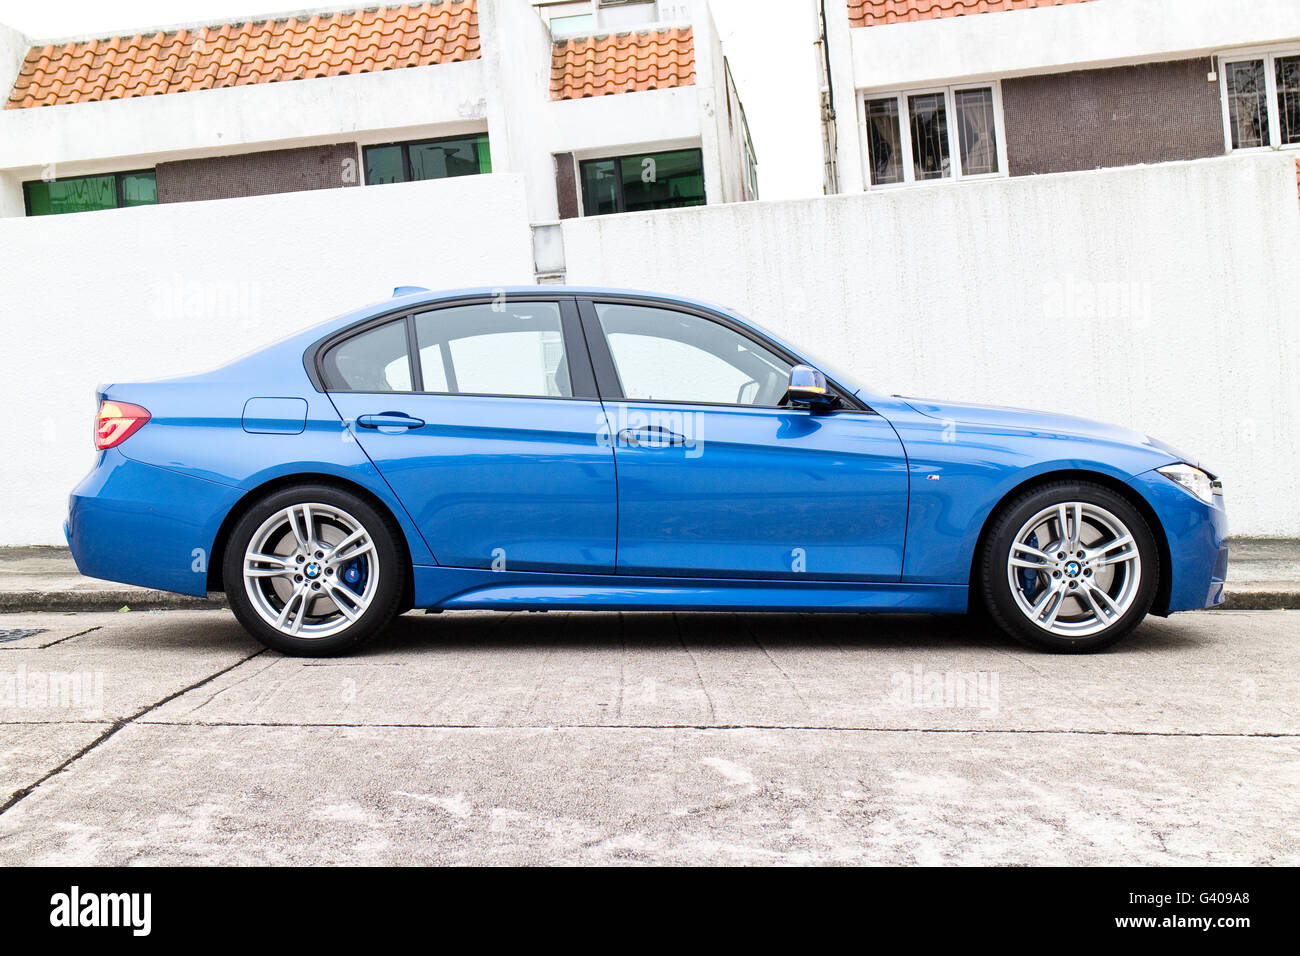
(1069, 567)
(314, 570)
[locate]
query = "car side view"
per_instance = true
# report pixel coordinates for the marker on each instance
(583, 448)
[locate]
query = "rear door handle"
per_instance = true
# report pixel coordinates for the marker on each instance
(653, 436)
(389, 420)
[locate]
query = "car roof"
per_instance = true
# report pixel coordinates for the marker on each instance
(420, 296)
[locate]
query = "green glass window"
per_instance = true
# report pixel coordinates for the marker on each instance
(384, 164)
(428, 159)
(138, 189)
(88, 193)
(600, 187)
(643, 181)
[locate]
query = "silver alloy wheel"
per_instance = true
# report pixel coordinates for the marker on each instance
(311, 570)
(1074, 569)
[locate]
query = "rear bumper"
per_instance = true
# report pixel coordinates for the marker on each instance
(144, 525)
(1197, 535)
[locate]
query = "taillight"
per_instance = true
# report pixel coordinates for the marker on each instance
(117, 422)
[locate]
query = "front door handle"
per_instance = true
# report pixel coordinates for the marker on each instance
(653, 436)
(390, 420)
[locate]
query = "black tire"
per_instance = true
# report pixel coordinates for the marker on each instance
(388, 589)
(997, 591)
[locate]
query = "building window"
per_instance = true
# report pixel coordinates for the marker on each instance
(1261, 100)
(642, 181)
(951, 133)
(574, 25)
(428, 159)
(568, 17)
(87, 193)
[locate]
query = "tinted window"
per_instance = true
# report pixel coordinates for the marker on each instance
(374, 361)
(642, 182)
(88, 193)
(663, 355)
(502, 348)
(428, 159)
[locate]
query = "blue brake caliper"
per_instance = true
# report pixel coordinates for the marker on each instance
(1029, 577)
(354, 575)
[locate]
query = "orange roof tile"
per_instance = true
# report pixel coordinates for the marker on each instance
(870, 13)
(622, 63)
(238, 54)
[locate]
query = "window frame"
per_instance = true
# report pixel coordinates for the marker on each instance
(118, 197)
(1269, 55)
(405, 145)
(607, 380)
(900, 97)
(582, 381)
(618, 163)
(592, 380)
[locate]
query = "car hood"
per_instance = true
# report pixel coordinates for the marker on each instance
(1043, 423)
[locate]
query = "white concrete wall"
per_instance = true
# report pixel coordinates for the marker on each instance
(157, 291)
(517, 58)
(597, 125)
(1071, 37)
(1163, 298)
(13, 48)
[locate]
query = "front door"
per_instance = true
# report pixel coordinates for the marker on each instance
(716, 479)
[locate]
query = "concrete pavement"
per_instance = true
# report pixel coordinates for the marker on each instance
(647, 738)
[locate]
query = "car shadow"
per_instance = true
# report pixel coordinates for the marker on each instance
(417, 631)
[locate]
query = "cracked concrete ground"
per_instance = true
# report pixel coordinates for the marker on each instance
(172, 738)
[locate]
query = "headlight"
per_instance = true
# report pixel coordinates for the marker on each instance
(1194, 481)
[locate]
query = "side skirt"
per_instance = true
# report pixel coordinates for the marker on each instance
(467, 588)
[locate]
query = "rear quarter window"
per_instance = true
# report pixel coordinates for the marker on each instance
(377, 360)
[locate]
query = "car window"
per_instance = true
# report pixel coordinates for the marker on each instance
(498, 348)
(377, 360)
(665, 355)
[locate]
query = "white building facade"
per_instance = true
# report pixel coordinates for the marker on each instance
(920, 92)
(642, 116)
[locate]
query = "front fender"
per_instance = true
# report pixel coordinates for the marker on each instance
(959, 476)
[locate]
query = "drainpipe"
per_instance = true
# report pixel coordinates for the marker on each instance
(830, 142)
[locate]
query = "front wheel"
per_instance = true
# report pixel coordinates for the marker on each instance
(1069, 567)
(314, 570)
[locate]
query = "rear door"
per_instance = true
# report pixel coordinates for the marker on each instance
(715, 478)
(483, 417)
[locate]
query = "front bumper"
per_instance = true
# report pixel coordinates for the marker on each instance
(1196, 534)
(141, 524)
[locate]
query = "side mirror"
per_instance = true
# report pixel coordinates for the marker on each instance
(808, 389)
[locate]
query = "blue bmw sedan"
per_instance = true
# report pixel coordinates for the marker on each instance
(581, 448)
